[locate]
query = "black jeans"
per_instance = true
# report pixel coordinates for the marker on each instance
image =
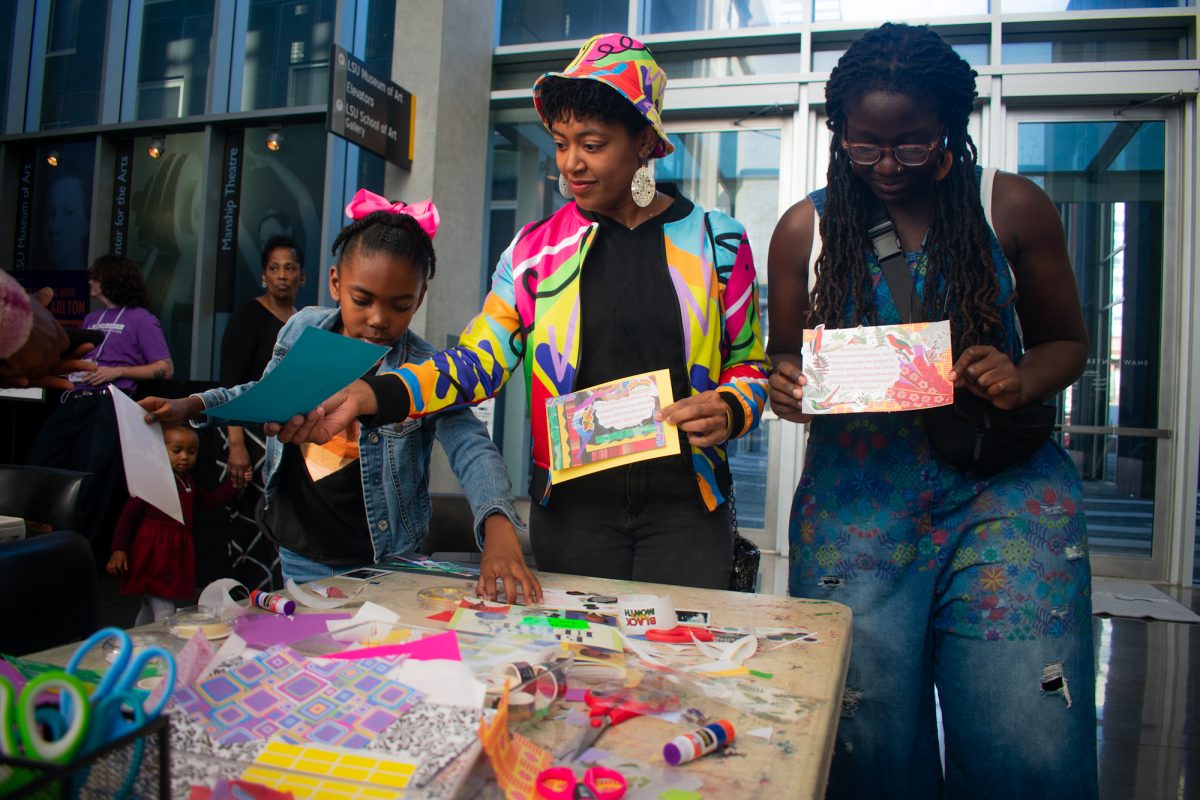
(82, 435)
(641, 522)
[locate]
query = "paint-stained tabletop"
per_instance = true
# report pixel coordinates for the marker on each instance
(785, 712)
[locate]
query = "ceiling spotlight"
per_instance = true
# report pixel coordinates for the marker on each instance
(157, 146)
(53, 157)
(274, 140)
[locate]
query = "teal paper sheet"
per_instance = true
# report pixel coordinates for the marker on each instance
(319, 365)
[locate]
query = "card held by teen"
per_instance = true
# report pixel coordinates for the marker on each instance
(877, 368)
(609, 425)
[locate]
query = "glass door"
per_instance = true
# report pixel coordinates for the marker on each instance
(737, 168)
(1110, 180)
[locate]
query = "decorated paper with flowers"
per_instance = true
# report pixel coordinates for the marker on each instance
(609, 425)
(878, 368)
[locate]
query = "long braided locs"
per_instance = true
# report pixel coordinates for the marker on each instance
(397, 235)
(961, 279)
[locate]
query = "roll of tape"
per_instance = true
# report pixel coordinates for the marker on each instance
(218, 596)
(442, 598)
(523, 671)
(520, 706)
(641, 612)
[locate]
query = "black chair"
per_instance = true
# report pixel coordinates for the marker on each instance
(451, 534)
(48, 582)
(42, 496)
(49, 592)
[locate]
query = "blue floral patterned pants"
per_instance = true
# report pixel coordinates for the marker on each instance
(977, 585)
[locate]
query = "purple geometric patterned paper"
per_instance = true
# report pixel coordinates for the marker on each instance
(342, 703)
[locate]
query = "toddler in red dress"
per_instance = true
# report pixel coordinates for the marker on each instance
(153, 553)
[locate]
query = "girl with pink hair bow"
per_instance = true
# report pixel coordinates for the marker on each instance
(363, 495)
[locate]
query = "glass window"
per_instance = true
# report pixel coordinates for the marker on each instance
(1068, 48)
(1030, 6)
(173, 73)
(825, 56)
(74, 63)
(525, 21)
(287, 53)
(735, 63)
(669, 16)
(730, 63)
(881, 10)
(166, 197)
(1107, 179)
(381, 28)
(60, 224)
(281, 195)
(738, 173)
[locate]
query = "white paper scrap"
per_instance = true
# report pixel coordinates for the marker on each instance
(148, 473)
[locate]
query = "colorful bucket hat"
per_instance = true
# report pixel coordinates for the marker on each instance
(626, 65)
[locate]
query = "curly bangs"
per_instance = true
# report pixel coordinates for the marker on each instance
(120, 280)
(581, 98)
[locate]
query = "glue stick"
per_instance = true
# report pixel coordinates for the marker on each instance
(273, 602)
(699, 742)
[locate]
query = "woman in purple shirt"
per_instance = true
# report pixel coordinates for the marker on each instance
(82, 432)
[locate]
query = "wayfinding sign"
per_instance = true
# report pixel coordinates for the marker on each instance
(369, 110)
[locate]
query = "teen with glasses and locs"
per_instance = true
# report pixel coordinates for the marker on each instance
(975, 584)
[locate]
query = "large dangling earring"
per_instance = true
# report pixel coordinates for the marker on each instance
(564, 188)
(263, 281)
(643, 187)
(943, 168)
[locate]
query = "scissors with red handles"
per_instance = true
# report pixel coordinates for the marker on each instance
(602, 783)
(609, 708)
(680, 634)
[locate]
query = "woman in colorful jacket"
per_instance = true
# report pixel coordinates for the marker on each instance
(628, 278)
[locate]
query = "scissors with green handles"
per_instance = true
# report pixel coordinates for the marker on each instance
(24, 726)
(73, 723)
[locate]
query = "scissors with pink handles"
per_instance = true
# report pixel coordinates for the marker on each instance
(601, 783)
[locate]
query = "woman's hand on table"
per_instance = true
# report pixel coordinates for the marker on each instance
(704, 417)
(504, 561)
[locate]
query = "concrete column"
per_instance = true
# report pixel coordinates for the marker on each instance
(443, 55)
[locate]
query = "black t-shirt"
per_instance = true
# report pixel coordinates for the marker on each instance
(324, 520)
(629, 323)
(629, 311)
(248, 343)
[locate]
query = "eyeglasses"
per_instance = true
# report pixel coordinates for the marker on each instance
(910, 155)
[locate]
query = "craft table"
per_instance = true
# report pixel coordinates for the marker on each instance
(799, 764)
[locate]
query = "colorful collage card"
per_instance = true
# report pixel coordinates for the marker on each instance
(878, 368)
(609, 425)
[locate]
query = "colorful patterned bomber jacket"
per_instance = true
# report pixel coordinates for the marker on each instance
(531, 314)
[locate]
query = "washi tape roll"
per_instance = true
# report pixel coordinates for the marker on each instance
(442, 598)
(523, 671)
(520, 706)
(547, 688)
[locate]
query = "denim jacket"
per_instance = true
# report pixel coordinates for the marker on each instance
(394, 459)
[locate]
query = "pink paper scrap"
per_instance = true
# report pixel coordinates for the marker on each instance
(441, 646)
(266, 629)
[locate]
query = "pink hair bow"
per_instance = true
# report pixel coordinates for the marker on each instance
(367, 202)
